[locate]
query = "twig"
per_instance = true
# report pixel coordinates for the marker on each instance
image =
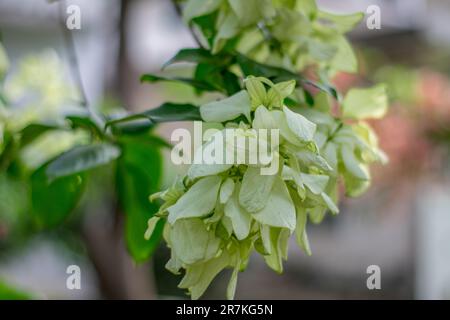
(71, 51)
(333, 134)
(191, 29)
(74, 65)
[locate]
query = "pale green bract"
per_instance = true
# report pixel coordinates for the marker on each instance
(255, 189)
(240, 218)
(366, 103)
(227, 190)
(299, 33)
(198, 201)
(299, 125)
(279, 210)
(218, 214)
(227, 109)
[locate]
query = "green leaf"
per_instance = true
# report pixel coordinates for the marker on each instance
(207, 26)
(86, 123)
(7, 292)
(231, 82)
(138, 175)
(33, 131)
(199, 201)
(197, 84)
(8, 150)
(299, 125)
(82, 158)
(52, 201)
(279, 210)
(250, 67)
(196, 55)
(170, 112)
(255, 189)
(218, 77)
(325, 87)
(365, 103)
(227, 109)
(148, 138)
(133, 126)
(167, 112)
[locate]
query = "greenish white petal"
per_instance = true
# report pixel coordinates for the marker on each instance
(300, 231)
(150, 227)
(255, 189)
(198, 201)
(192, 242)
(240, 218)
(366, 103)
(315, 182)
(227, 109)
(330, 203)
(352, 164)
(263, 119)
(299, 125)
(226, 190)
(279, 210)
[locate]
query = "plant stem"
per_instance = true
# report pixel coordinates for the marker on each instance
(74, 63)
(191, 29)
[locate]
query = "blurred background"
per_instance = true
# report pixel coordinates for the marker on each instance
(402, 224)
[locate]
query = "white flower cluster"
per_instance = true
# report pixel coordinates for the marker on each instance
(218, 213)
